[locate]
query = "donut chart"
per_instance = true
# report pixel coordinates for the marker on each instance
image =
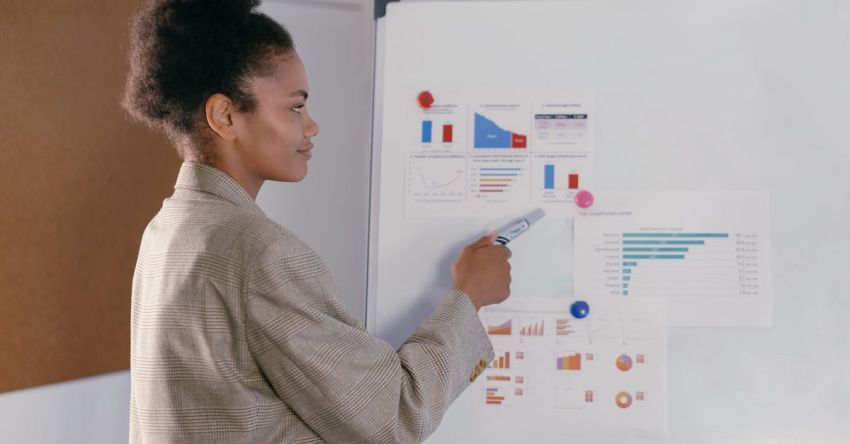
(624, 362)
(623, 400)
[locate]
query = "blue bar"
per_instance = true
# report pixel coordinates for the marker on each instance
(663, 242)
(500, 169)
(675, 234)
(653, 256)
(650, 249)
(626, 270)
(549, 180)
(625, 285)
(426, 131)
(627, 278)
(501, 175)
(630, 264)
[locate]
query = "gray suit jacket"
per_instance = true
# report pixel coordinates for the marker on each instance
(238, 335)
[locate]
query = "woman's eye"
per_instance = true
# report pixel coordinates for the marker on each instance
(297, 108)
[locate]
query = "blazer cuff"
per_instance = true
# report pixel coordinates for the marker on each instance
(474, 349)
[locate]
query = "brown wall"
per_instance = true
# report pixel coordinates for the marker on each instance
(78, 184)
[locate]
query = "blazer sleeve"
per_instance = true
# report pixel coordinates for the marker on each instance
(345, 384)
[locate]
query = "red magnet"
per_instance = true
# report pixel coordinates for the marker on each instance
(425, 99)
(584, 199)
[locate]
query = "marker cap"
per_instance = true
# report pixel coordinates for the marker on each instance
(535, 215)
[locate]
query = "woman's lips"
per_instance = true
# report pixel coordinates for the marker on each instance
(307, 152)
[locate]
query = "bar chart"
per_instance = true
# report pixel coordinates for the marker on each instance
(558, 176)
(549, 178)
(498, 178)
(446, 133)
(442, 127)
(501, 362)
(569, 362)
(493, 396)
(564, 327)
(705, 253)
(533, 328)
(681, 263)
(661, 263)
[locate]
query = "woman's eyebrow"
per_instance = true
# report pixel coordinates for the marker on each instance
(301, 93)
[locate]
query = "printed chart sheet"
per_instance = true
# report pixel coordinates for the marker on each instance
(705, 253)
(603, 374)
(491, 155)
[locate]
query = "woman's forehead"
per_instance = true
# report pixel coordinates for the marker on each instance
(288, 77)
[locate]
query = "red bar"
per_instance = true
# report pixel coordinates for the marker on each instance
(447, 134)
(507, 359)
(518, 140)
(573, 182)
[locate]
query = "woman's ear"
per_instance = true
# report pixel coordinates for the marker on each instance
(219, 113)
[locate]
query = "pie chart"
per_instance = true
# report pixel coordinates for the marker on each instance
(623, 400)
(624, 362)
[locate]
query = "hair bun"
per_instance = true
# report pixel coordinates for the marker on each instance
(183, 51)
(230, 8)
(236, 6)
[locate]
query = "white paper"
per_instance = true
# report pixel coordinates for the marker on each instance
(485, 154)
(601, 375)
(706, 253)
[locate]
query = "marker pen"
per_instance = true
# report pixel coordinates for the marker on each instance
(512, 230)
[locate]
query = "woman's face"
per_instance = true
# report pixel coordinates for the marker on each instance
(274, 140)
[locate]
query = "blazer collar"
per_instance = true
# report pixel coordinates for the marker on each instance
(204, 178)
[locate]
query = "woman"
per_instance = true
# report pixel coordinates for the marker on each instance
(238, 333)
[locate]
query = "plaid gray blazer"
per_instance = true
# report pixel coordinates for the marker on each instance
(238, 336)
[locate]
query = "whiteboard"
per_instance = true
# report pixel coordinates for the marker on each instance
(711, 95)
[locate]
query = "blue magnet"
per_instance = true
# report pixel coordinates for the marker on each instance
(580, 309)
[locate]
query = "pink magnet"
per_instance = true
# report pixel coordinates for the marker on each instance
(584, 199)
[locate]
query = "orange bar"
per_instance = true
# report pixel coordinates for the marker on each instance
(507, 359)
(574, 362)
(501, 362)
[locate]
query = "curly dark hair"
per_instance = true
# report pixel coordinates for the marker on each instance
(184, 51)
